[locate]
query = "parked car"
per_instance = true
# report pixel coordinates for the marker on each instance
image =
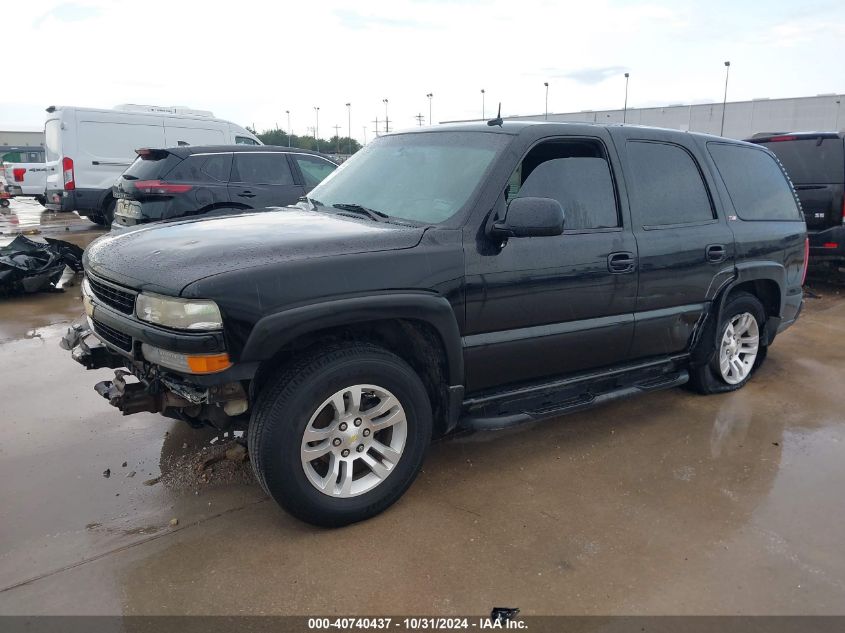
(815, 161)
(461, 276)
(163, 184)
(26, 172)
(87, 149)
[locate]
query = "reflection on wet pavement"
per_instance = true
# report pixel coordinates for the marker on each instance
(667, 503)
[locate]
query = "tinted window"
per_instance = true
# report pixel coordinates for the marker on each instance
(583, 187)
(811, 161)
(755, 182)
(244, 140)
(151, 168)
(200, 168)
(262, 169)
(314, 170)
(666, 185)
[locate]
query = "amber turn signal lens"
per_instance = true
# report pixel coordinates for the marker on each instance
(208, 364)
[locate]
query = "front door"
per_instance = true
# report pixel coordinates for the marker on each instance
(263, 179)
(543, 307)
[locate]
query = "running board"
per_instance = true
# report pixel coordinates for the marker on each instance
(487, 422)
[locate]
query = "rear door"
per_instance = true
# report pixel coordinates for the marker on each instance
(263, 179)
(686, 251)
(816, 166)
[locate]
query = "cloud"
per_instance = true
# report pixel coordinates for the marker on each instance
(591, 76)
(69, 12)
(358, 21)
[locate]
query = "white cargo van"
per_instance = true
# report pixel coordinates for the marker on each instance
(87, 149)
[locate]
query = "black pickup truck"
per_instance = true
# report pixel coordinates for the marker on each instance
(474, 276)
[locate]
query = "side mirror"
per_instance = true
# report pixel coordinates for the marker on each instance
(530, 217)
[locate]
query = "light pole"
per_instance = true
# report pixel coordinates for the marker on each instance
(349, 123)
(386, 120)
(429, 95)
(289, 131)
(625, 107)
(725, 99)
(317, 127)
(546, 84)
(482, 104)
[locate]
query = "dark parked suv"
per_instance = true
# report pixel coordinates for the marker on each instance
(163, 184)
(815, 161)
(475, 276)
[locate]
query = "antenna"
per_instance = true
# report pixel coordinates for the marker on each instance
(498, 120)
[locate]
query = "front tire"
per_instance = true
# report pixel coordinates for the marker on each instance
(740, 348)
(338, 436)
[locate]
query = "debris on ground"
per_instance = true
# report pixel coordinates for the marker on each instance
(107, 473)
(123, 465)
(174, 522)
(215, 465)
(130, 474)
(152, 482)
(28, 266)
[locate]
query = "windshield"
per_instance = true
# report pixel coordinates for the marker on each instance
(424, 177)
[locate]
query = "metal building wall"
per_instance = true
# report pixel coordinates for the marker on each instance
(17, 137)
(742, 118)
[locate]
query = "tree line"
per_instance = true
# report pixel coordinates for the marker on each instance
(334, 145)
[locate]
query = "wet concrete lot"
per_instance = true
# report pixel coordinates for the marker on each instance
(667, 503)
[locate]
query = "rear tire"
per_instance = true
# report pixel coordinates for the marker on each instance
(4, 203)
(369, 419)
(96, 218)
(739, 347)
(108, 212)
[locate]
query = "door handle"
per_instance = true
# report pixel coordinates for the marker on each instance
(716, 253)
(623, 262)
(246, 194)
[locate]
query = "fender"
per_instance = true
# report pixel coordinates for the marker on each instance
(272, 332)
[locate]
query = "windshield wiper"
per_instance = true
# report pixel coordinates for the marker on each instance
(378, 216)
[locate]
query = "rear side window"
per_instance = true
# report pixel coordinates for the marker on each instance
(811, 161)
(314, 170)
(150, 168)
(262, 169)
(53, 139)
(203, 168)
(755, 182)
(665, 185)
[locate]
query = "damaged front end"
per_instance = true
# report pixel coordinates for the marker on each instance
(140, 386)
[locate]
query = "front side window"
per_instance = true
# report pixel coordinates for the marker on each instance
(424, 177)
(576, 174)
(666, 186)
(314, 170)
(262, 169)
(755, 182)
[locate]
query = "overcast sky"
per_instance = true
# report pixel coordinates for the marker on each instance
(250, 60)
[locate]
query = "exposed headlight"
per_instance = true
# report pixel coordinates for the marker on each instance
(184, 314)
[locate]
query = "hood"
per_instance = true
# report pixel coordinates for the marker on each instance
(167, 257)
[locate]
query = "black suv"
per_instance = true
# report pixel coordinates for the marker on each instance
(815, 161)
(163, 184)
(460, 276)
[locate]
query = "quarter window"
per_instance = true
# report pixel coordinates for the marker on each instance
(203, 168)
(755, 182)
(262, 169)
(244, 140)
(666, 186)
(314, 170)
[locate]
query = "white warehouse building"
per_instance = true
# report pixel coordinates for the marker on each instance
(743, 119)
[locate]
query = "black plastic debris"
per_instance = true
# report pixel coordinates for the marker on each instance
(28, 266)
(503, 614)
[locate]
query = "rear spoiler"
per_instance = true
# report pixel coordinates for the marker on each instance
(147, 153)
(791, 136)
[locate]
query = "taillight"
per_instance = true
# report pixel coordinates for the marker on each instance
(67, 173)
(806, 259)
(157, 187)
(18, 173)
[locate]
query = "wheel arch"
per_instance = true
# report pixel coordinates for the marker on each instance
(420, 328)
